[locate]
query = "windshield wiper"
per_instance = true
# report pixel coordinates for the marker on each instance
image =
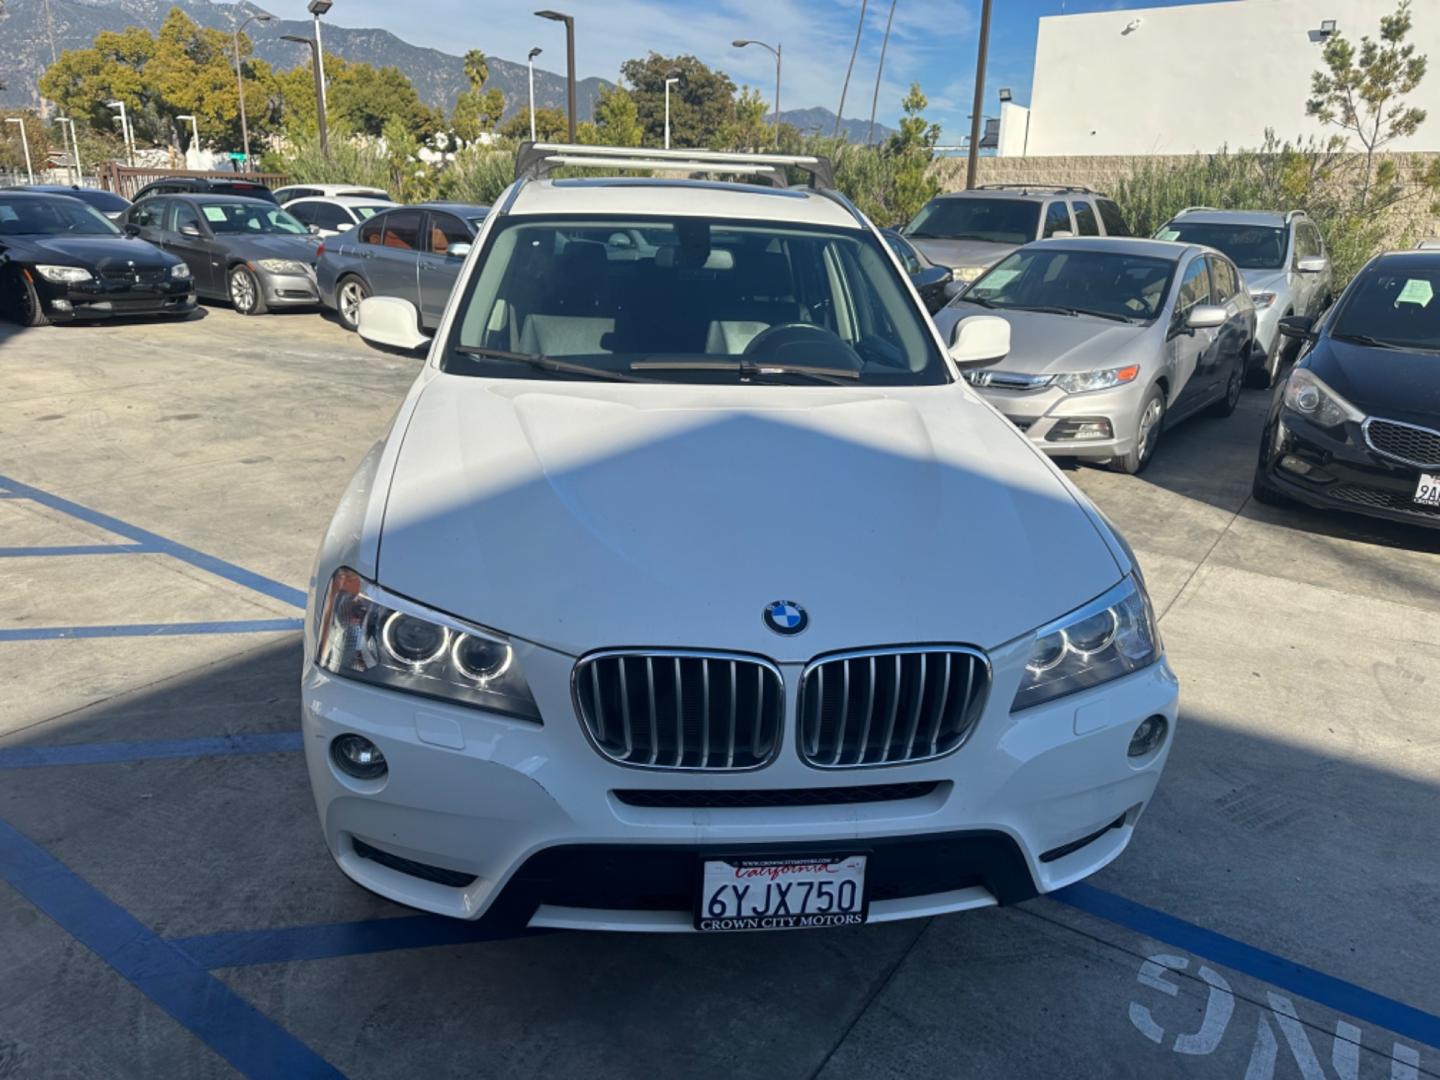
(1043, 309)
(547, 363)
(749, 369)
(1366, 339)
(1056, 310)
(1113, 316)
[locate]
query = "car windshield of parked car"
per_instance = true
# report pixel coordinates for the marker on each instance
(1066, 281)
(249, 218)
(691, 300)
(1393, 308)
(58, 216)
(995, 221)
(1250, 247)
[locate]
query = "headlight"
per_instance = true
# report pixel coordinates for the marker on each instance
(1262, 300)
(1080, 381)
(370, 635)
(1307, 394)
(967, 274)
(1103, 640)
(281, 266)
(180, 272)
(63, 275)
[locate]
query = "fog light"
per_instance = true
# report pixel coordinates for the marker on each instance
(357, 756)
(1291, 463)
(1148, 736)
(1081, 428)
(61, 305)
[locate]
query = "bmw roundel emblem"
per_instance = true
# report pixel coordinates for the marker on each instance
(786, 617)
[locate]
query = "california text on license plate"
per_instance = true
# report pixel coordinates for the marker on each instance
(789, 893)
(1427, 491)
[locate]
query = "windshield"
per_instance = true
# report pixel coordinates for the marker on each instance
(998, 221)
(1088, 282)
(1250, 247)
(249, 217)
(691, 300)
(1399, 308)
(58, 216)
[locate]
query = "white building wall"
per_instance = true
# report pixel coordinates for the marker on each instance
(1014, 130)
(1190, 79)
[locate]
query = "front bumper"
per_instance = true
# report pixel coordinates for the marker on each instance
(481, 815)
(1309, 464)
(1045, 415)
(105, 299)
(293, 290)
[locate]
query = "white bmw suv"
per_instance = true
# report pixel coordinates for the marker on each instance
(693, 589)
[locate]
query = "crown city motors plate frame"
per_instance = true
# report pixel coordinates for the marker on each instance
(780, 892)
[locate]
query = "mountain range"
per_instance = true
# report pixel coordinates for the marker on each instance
(32, 30)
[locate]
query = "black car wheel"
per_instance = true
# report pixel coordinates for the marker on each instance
(245, 294)
(348, 295)
(21, 302)
(1149, 426)
(1226, 405)
(1261, 374)
(1266, 493)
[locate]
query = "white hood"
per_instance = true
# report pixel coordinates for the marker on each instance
(583, 516)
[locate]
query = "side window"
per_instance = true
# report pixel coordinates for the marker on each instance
(402, 230)
(303, 212)
(328, 215)
(146, 213)
(1194, 289)
(182, 213)
(1307, 240)
(1226, 285)
(445, 232)
(1113, 219)
(903, 253)
(372, 232)
(1057, 218)
(1085, 222)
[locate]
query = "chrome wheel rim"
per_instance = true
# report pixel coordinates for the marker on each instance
(1232, 391)
(350, 296)
(242, 291)
(1149, 420)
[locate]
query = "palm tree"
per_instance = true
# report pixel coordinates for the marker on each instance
(870, 132)
(840, 112)
(477, 68)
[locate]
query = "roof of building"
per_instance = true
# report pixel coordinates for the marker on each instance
(655, 197)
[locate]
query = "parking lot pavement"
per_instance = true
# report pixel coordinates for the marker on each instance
(168, 908)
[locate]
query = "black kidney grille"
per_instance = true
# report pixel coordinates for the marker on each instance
(680, 710)
(890, 706)
(1404, 442)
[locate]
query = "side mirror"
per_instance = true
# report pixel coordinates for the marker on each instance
(344, 226)
(389, 320)
(313, 230)
(129, 228)
(1205, 317)
(955, 288)
(1312, 264)
(1299, 327)
(190, 229)
(458, 251)
(979, 341)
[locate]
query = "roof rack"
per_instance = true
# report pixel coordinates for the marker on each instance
(536, 160)
(1077, 188)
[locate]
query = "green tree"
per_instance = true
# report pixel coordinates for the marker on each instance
(477, 112)
(477, 68)
(702, 103)
(366, 98)
(12, 147)
(617, 120)
(549, 125)
(1362, 92)
(748, 129)
(913, 147)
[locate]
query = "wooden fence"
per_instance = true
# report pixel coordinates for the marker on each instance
(126, 180)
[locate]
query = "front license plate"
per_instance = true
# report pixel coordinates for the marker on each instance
(793, 893)
(1427, 491)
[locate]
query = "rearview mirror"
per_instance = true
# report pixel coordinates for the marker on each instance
(1206, 317)
(189, 229)
(1299, 327)
(1312, 264)
(458, 251)
(979, 341)
(389, 320)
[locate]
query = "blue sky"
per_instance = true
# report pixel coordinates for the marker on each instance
(932, 41)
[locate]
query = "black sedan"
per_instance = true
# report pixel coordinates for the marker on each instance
(62, 260)
(1356, 425)
(107, 202)
(931, 280)
(248, 252)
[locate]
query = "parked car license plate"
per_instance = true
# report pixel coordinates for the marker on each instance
(1427, 492)
(791, 893)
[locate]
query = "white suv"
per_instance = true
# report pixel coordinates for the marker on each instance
(693, 589)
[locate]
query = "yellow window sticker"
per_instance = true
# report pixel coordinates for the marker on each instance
(1416, 291)
(998, 279)
(214, 213)
(1167, 234)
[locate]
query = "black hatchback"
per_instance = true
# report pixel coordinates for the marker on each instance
(1356, 425)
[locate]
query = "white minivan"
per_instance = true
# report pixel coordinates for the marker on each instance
(693, 589)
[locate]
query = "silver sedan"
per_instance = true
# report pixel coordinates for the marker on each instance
(1111, 341)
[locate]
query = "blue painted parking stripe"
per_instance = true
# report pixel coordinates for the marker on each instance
(324, 941)
(75, 549)
(229, 1025)
(236, 626)
(110, 753)
(1343, 997)
(227, 570)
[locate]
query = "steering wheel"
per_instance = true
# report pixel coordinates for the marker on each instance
(800, 343)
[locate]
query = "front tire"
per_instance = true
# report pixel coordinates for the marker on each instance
(245, 295)
(22, 301)
(1263, 492)
(1149, 427)
(348, 295)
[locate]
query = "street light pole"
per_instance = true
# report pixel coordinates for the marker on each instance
(318, 8)
(127, 135)
(569, 21)
(668, 83)
(740, 44)
(258, 16)
(973, 163)
(530, 62)
(25, 143)
(79, 173)
(319, 89)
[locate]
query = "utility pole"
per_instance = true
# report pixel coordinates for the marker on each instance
(530, 62)
(668, 83)
(24, 142)
(975, 118)
(318, 8)
(258, 16)
(69, 123)
(740, 43)
(319, 89)
(569, 21)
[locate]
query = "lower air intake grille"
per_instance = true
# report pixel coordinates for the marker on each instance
(680, 710)
(831, 796)
(890, 705)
